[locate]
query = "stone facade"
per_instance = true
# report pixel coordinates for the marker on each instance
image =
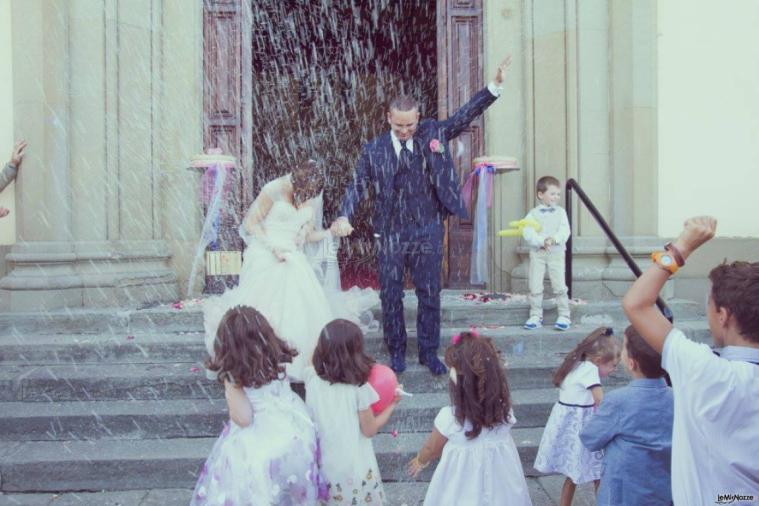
(109, 94)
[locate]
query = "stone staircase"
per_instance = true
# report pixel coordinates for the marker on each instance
(113, 406)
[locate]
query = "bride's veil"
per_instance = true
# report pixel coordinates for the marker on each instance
(323, 254)
(354, 304)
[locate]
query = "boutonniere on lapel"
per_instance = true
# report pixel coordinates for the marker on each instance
(437, 147)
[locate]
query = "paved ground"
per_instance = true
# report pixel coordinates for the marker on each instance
(544, 491)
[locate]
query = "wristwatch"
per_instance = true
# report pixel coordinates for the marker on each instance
(665, 260)
(671, 248)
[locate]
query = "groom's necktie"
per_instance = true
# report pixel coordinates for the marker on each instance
(404, 157)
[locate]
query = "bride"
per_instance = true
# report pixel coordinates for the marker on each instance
(279, 278)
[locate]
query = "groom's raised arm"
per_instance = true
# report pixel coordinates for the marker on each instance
(455, 124)
(358, 189)
(461, 119)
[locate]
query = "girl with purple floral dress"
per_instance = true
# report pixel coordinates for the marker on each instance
(269, 452)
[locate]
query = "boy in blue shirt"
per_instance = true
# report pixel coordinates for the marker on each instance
(634, 427)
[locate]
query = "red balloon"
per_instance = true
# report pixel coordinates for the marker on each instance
(384, 382)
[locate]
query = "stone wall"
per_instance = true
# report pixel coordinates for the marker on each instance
(108, 94)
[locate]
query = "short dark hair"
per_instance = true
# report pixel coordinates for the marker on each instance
(735, 287)
(481, 392)
(247, 352)
(544, 182)
(403, 103)
(648, 360)
(339, 356)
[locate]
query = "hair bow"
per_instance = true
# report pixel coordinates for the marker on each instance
(456, 339)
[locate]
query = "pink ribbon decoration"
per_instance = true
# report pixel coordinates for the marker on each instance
(208, 182)
(482, 168)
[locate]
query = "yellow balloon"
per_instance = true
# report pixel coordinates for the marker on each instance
(517, 227)
(509, 232)
(524, 223)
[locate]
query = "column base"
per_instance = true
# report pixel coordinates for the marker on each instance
(55, 275)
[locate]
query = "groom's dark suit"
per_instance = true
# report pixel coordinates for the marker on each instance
(412, 198)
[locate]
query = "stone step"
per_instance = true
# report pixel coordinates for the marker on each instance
(51, 349)
(85, 420)
(456, 311)
(53, 466)
(164, 381)
(544, 491)
(397, 494)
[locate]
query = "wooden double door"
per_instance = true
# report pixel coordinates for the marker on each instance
(288, 79)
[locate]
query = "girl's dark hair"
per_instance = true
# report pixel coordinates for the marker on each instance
(481, 392)
(339, 355)
(599, 345)
(649, 361)
(308, 181)
(246, 350)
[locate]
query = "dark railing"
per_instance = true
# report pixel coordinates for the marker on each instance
(571, 186)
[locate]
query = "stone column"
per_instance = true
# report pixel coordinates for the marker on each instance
(607, 118)
(181, 135)
(634, 167)
(86, 92)
(568, 124)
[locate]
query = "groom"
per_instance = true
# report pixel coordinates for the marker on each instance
(415, 187)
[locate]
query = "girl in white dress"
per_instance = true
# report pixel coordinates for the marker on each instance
(579, 382)
(276, 277)
(480, 463)
(340, 399)
(269, 452)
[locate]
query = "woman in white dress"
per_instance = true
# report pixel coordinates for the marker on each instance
(276, 277)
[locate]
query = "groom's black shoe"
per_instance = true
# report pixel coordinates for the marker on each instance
(433, 363)
(398, 362)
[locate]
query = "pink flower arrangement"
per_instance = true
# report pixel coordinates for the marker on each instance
(436, 146)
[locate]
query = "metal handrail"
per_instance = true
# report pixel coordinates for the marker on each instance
(571, 186)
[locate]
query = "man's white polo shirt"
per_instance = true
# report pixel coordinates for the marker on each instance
(715, 437)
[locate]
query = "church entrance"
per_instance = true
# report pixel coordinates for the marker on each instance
(288, 80)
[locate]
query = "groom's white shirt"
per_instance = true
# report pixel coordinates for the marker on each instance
(397, 144)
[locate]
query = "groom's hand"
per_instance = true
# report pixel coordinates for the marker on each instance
(502, 68)
(341, 227)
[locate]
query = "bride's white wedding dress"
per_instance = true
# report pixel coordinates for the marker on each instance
(278, 279)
